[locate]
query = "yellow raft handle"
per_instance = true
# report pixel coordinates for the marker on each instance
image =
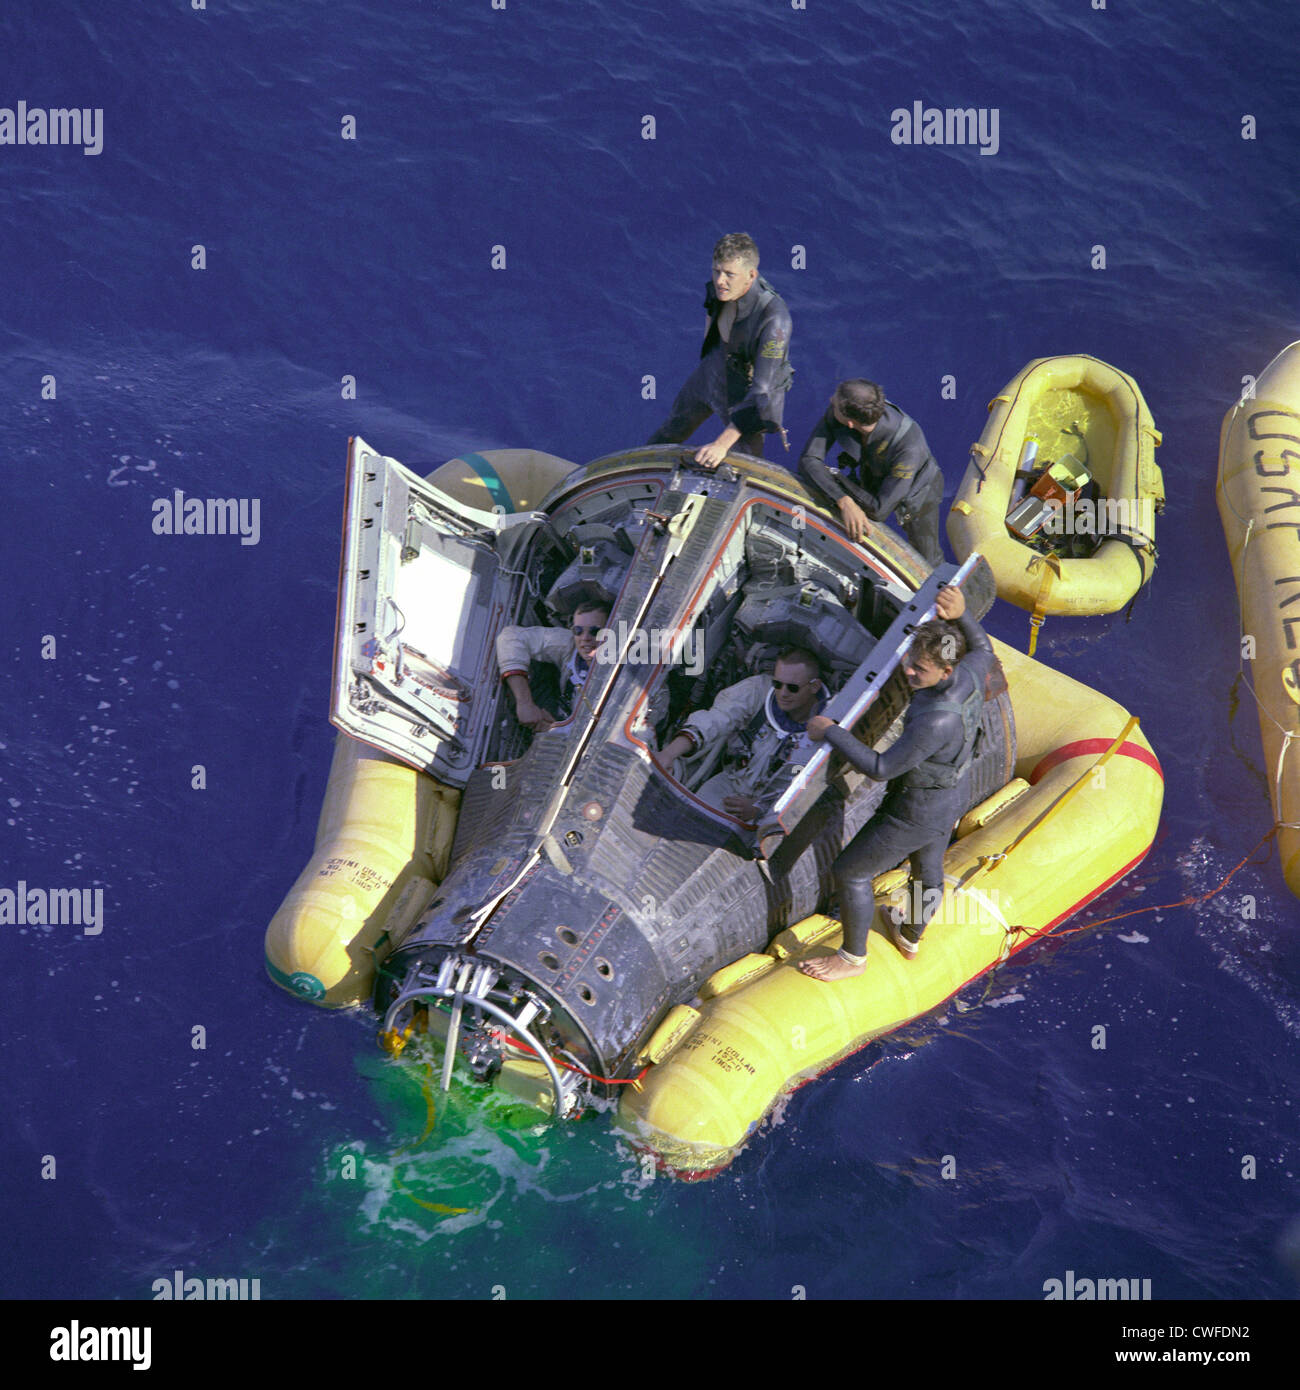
(1051, 572)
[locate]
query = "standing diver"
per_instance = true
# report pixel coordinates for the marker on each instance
(947, 667)
(743, 373)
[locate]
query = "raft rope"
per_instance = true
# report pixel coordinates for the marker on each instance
(989, 862)
(1194, 901)
(976, 452)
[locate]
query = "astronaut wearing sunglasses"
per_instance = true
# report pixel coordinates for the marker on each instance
(570, 650)
(763, 720)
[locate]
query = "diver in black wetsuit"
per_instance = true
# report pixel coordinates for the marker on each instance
(743, 373)
(947, 667)
(884, 465)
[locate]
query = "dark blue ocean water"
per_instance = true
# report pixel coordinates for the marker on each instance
(522, 127)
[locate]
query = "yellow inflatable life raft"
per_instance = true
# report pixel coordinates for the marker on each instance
(1080, 420)
(1082, 813)
(1259, 505)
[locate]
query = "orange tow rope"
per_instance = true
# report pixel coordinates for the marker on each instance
(1182, 902)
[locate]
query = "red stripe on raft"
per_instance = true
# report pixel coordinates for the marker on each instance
(1085, 746)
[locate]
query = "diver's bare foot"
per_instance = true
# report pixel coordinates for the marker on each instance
(833, 967)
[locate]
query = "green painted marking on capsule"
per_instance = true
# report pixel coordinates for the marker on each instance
(301, 982)
(500, 493)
